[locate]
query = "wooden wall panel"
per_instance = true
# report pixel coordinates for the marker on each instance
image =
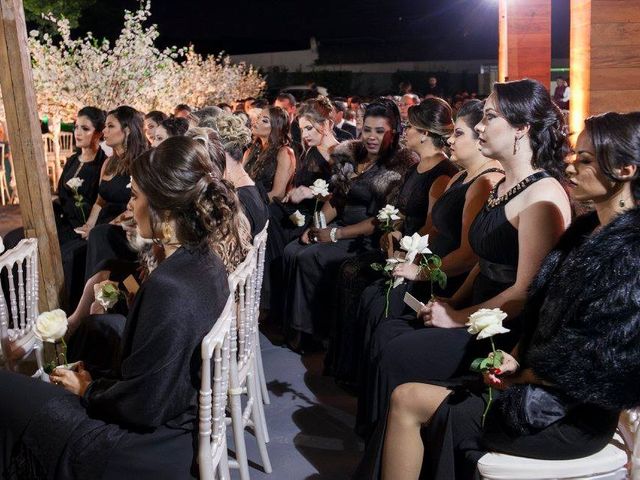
(614, 101)
(615, 11)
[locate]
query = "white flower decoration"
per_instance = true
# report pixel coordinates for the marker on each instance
(106, 297)
(75, 183)
(486, 322)
(414, 245)
(388, 213)
(320, 188)
(297, 218)
(51, 326)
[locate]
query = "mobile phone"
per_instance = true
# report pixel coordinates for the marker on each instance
(413, 303)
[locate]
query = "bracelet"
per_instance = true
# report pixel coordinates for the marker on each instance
(332, 234)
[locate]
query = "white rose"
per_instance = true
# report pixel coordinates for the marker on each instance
(486, 323)
(105, 300)
(51, 326)
(320, 188)
(75, 183)
(388, 213)
(297, 218)
(414, 245)
(391, 263)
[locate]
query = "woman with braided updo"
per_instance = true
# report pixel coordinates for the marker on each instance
(143, 417)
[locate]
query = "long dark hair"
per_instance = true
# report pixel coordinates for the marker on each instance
(178, 177)
(527, 102)
(386, 108)
(96, 116)
(616, 139)
(279, 137)
(135, 141)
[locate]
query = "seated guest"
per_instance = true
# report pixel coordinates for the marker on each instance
(430, 124)
(407, 101)
(182, 110)
(141, 420)
(315, 120)
(270, 161)
(341, 122)
(549, 408)
(368, 173)
(171, 127)
(151, 121)
(524, 217)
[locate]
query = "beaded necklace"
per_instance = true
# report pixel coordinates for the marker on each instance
(494, 201)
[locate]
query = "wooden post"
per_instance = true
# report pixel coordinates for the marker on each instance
(20, 106)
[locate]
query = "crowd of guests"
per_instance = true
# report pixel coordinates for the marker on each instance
(518, 220)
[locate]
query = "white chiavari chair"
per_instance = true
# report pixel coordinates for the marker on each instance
(243, 381)
(19, 266)
(66, 146)
(212, 425)
(51, 158)
(260, 243)
(610, 463)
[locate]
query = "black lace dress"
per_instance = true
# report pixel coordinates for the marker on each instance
(311, 166)
(410, 352)
(262, 168)
(362, 285)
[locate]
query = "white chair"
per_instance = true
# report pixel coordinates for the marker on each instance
(212, 445)
(260, 243)
(243, 372)
(66, 145)
(51, 150)
(18, 318)
(609, 463)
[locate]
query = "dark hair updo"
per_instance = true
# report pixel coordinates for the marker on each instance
(178, 179)
(616, 139)
(175, 126)
(434, 116)
(471, 113)
(96, 116)
(527, 102)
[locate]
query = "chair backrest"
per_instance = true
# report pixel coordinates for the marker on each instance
(260, 244)
(629, 427)
(243, 318)
(47, 140)
(21, 310)
(215, 348)
(66, 142)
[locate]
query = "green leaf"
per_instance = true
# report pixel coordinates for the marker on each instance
(378, 267)
(442, 279)
(436, 261)
(498, 357)
(475, 365)
(486, 364)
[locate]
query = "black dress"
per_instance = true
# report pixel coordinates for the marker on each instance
(254, 206)
(409, 352)
(262, 168)
(310, 270)
(68, 215)
(356, 276)
(141, 422)
(311, 167)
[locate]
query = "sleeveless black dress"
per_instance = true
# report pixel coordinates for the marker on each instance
(116, 193)
(362, 285)
(262, 169)
(410, 352)
(311, 167)
(254, 205)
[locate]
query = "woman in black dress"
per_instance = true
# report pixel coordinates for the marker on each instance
(579, 355)
(319, 141)
(525, 215)
(430, 124)
(451, 218)
(368, 173)
(140, 422)
(270, 160)
(124, 133)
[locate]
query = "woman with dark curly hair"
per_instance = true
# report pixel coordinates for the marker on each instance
(170, 127)
(143, 417)
(270, 160)
(577, 364)
(522, 220)
(368, 172)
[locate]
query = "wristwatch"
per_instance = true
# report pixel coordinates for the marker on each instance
(332, 234)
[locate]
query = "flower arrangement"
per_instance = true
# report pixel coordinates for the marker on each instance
(74, 184)
(485, 323)
(386, 216)
(297, 218)
(51, 327)
(107, 294)
(416, 245)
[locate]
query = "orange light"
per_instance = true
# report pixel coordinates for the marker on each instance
(503, 50)
(580, 65)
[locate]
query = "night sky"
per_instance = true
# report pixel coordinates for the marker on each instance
(442, 29)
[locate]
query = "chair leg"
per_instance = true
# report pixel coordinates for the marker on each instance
(258, 399)
(223, 472)
(257, 423)
(39, 360)
(261, 377)
(237, 425)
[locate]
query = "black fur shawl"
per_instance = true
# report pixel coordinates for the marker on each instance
(587, 340)
(345, 158)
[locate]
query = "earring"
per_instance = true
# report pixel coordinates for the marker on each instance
(422, 140)
(515, 145)
(124, 144)
(622, 203)
(167, 232)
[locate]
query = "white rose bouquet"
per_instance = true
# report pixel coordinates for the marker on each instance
(297, 218)
(74, 184)
(386, 216)
(387, 271)
(51, 327)
(486, 323)
(416, 245)
(320, 189)
(107, 294)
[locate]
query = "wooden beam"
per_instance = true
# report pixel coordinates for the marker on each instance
(18, 93)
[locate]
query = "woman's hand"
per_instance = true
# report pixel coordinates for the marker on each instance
(441, 315)
(388, 240)
(502, 377)
(84, 230)
(410, 271)
(304, 238)
(75, 382)
(298, 194)
(319, 235)
(96, 309)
